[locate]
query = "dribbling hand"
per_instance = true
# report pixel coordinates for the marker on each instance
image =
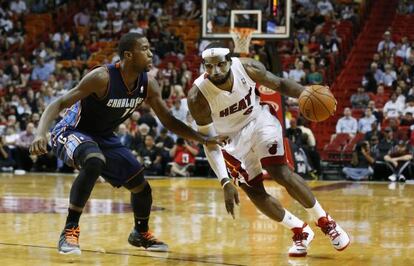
(39, 145)
(231, 196)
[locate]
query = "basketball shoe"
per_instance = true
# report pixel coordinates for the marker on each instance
(69, 240)
(146, 240)
(339, 238)
(302, 236)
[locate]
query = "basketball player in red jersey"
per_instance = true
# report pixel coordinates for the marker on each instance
(223, 101)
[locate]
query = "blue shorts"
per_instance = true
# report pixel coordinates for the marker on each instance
(120, 166)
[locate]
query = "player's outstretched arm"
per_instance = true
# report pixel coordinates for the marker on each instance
(259, 74)
(94, 82)
(169, 121)
(200, 111)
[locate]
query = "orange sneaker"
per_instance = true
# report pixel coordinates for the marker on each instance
(69, 240)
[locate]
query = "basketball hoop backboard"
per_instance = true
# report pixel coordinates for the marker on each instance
(269, 18)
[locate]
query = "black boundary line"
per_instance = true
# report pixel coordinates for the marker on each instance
(124, 254)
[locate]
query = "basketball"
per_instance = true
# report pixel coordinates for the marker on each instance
(317, 103)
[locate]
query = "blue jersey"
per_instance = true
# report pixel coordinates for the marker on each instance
(101, 116)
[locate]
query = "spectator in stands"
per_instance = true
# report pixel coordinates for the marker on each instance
(82, 18)
(407, 119)
(179, 110)
(308, 144)
(377, 72)
(401, 47)
(41, 71)
(139, 138)
(398, 134)
(164, 141)
(185, 76)
(6, 160)
(386, 44)
(374, 132)
(183, 154)
(18, 6)
(369, 82)
(16, 35)
(389, 75)
(365, 123)
(18, 79)
(124, 137)
(297, 74)
(150, 156)
(380, 98)
(13, 123)
(399, 161)
(360, 99)
(148, 118)
(361, 162)
(374, 141)
(409, 105)
(379, 151)
(84, 53)
(4, 79)
(71, 52)
(329, 45)
(400, 97)
(117, 24)
(68, 82)
(294, 133)
(41, 52)
(124, 5)
(392, 109)
(387, 142)
(325, 7)
(24, 160)
(405, 7)
(347, 124)
(314, 76)
(191, 10)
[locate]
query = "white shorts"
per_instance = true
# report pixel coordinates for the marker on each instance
(258, 144)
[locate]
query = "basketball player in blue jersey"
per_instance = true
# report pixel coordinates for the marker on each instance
(223, 101)
(84, 138)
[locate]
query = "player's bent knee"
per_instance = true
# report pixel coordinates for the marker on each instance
(93, 166)
(255, 193)
(137, 183)
(279, 172)
(87, 151)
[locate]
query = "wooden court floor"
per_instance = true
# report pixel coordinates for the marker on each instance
(189, 215)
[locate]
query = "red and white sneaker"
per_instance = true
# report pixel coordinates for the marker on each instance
(301, 241)
(339, 238)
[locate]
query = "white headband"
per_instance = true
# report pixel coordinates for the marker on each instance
(215, 52)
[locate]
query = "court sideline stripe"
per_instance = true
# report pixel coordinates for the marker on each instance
(127, 254)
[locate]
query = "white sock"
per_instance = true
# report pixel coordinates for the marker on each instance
(291, 221)
(316, 211)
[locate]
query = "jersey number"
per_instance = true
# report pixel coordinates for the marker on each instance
(127, 111)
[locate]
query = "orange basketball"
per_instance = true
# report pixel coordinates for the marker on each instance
(317, 103)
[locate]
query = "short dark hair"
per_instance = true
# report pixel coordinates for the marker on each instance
(218, 44)
(127, 42)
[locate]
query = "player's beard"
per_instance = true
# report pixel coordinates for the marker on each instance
(222, 80)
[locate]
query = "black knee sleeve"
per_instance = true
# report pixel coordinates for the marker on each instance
(84, 183)
(141, 202)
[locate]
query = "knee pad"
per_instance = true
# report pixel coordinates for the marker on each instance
(86, 151)
(93, 166)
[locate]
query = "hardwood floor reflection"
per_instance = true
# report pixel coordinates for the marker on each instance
(189, 215)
